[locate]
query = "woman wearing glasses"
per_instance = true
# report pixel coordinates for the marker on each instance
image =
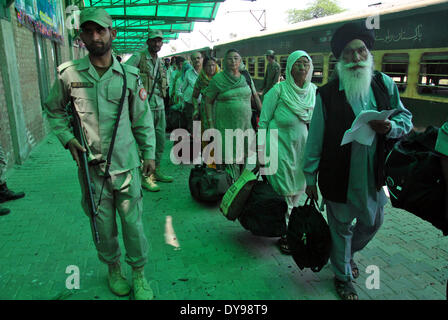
(288, 107)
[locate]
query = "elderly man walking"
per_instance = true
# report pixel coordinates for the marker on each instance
(351, 175)
(187, 88)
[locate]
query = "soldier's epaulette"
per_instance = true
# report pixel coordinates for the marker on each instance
(67, 64)
(131, 69)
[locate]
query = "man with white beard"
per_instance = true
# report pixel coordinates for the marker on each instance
(351, 176)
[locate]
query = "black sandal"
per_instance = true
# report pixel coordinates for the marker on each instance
(355, 269)
(283, 245)
(345, 290)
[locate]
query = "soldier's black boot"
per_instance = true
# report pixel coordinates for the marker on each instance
(4, 211)
(6, 194)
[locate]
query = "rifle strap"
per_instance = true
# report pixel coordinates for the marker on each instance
(114, 134)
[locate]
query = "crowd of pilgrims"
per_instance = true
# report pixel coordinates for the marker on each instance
(308, 139)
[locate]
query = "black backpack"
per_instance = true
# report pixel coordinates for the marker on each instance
(208, 184)
(415, 180)
(264, 212)
(309, 237)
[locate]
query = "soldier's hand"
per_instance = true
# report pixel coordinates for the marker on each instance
(149, 167)
(311, 192)
(74, 146)
(380, 126)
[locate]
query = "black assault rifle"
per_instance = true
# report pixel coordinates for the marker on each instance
(84, 169)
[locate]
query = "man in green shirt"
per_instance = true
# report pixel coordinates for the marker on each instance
(94, 85)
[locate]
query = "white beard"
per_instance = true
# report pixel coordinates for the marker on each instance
(356, 83)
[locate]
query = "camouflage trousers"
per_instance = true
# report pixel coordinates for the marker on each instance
(122, 194)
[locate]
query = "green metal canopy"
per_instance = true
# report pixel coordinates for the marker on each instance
(133, 18)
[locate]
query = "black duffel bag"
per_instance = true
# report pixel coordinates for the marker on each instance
(208, 184)
(264, 212)
(415, 180)
(309, 237)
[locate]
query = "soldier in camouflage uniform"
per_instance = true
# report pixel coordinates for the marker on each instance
(94, 84)
(154, 77)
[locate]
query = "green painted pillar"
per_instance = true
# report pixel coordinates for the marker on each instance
(13, 95)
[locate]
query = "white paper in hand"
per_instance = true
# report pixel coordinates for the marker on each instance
(361, 131)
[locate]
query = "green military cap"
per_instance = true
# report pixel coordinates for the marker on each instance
(269, 53)
(152, 34)
(96, 15)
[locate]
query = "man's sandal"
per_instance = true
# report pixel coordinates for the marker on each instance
(345, 290)
(355, 269)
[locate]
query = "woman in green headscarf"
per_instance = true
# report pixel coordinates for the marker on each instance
(228, 106)
(288, 107)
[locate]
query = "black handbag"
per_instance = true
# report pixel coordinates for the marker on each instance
(264, 211)
(208, 184)
(309, 237)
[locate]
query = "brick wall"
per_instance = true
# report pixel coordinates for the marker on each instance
(29, 80)
(51, 62)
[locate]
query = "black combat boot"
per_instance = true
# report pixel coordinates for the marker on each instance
(6, 194)
(4, 211)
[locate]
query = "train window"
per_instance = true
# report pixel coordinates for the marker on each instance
(433, 77)
(251, 66)
(331, 66)
(395, 65)
(261, 66)
(283, 60)
(318, 73)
